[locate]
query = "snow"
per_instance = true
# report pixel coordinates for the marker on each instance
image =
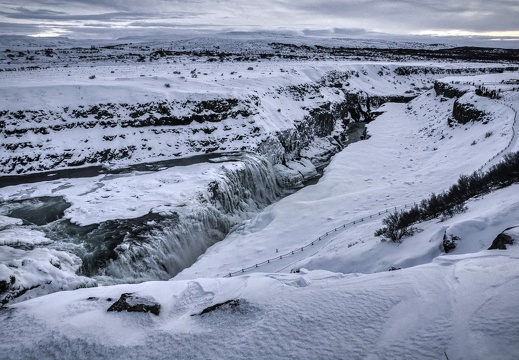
(412, 152)
(336, 298)
(127, 195)
(41, 270)
(21, 236)
(5, 221)
(457, 304)
(64, 91)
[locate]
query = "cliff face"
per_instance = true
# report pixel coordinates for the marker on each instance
(425, 70)
(465, 107)
(111, 132)
(463, 112)
(448, 90)
(112, 120)
(117, 132)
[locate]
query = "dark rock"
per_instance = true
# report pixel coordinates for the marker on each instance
(447, 90)
(133, 303)
(501, 241)
(4, 286)
(229, 305)
(392, 268)
(11, 291)
(465, 112)
(449, 242)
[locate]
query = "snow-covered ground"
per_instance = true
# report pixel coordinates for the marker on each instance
(461, 305)
(412, 153)
(336, 298)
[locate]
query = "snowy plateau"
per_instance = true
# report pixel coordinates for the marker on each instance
(218, 198)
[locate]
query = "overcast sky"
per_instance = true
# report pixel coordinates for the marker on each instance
(490, 19)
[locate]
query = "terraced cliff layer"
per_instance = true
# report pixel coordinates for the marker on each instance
(48, 124)
(36, 140)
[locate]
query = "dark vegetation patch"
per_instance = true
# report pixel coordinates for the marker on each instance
(399, 224)
(449, 242)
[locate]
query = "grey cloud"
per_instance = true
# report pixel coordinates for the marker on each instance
(313, 17)
(17, 29)
(116, 5)
(476, 15)
(349, 31)
(49, 15)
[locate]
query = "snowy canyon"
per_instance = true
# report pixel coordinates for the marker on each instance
(190, 162)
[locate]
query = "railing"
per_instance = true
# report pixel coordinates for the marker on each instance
(507, 147)
(361, 220)
(316, 241)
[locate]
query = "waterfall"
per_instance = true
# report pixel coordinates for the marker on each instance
(244, 188)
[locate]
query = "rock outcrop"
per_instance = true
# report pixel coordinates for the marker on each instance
(464, 112)
(448, 90)
(507, 237)
(134, 303)
(231, 306)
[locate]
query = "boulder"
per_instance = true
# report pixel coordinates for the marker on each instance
(134, 303)
(503, 239)
(229, 305)
(464, 111)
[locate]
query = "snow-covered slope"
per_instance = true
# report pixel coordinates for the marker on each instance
(460, 305)
(298, 116)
